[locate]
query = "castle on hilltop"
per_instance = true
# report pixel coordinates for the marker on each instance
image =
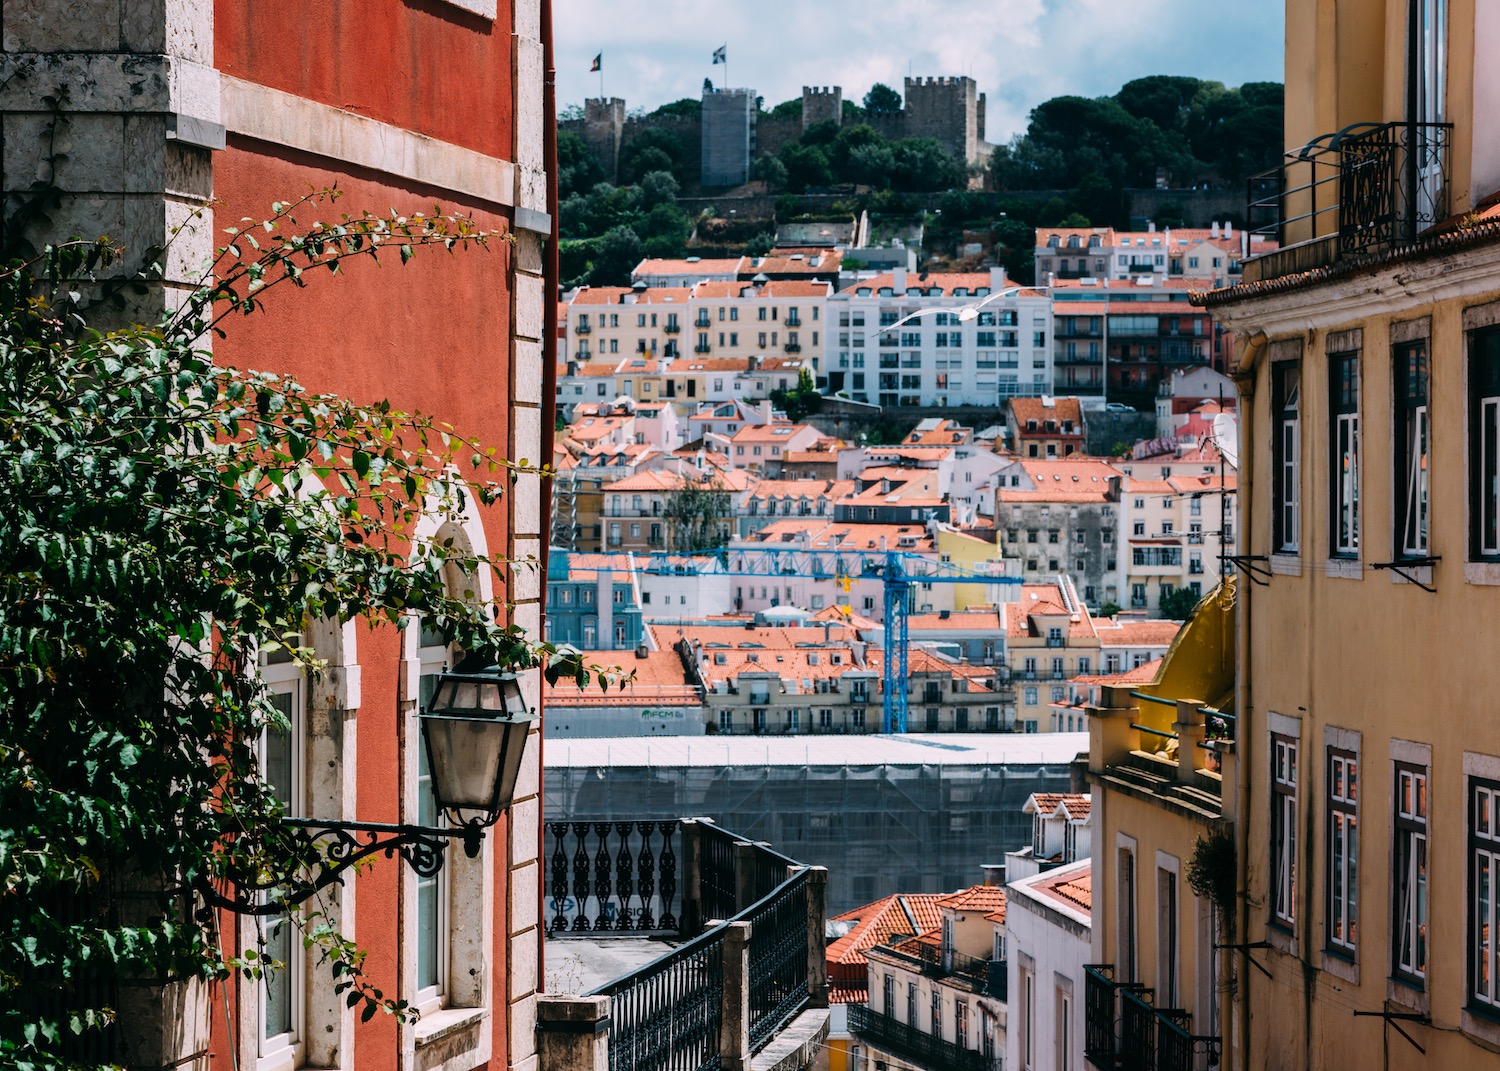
(725, 140)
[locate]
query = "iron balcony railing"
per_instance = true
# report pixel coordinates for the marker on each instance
(1124, 1031)
(910, 1042)
(1179, 1049)
(1355, 191)
(987, 975)
(1137, 1030)
(753, 919)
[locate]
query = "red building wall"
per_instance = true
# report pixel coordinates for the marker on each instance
(433, 335)
(424, 65)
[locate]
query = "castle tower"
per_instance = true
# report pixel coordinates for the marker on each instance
(821, 104)
(603, 130)
(728, 136)
(948, 109)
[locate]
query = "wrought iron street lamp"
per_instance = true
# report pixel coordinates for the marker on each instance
(475, 733)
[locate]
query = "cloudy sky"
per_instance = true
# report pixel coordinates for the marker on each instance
(1021, 52)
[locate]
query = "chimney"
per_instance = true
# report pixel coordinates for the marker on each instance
(997, 279)
(1151, 226)
(1228, 229)
(994, 874)
(1214, 230)
(898, 277)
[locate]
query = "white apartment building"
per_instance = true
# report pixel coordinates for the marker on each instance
(1175, 533)
(938, 359)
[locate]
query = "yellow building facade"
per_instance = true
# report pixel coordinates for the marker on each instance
(1164, 773)
(1369, 378)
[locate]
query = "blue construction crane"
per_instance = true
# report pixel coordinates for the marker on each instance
(897, 571)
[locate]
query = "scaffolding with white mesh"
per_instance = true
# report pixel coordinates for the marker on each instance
(884, 814)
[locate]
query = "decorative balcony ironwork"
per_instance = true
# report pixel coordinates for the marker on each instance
(1137, 1030)
(582, 329)
(985, 974)
(1355, 191)
(1179, 1049)
(792, 347)
(674, 328)
(909, 1042)
(702, 347)
(659, 878)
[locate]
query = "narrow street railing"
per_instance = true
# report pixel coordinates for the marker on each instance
(752, 960)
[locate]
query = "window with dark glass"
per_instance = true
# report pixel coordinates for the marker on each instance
(1343, 460)
(1411, 444)
(1283, 830)
(1409, 880)
(1484, 904)
(1286, 404)
(1484, 445)
(1343, 852)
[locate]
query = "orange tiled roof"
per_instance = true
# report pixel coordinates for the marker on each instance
(664, 266)
(1046, 804)
(985, 899)
(1061, 409)
(614, 295)
(943, 282)
(776, 289)
(1137, 632)
(1075, 887)
(658, 679)
(875, 924)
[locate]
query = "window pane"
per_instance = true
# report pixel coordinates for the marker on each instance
(429, 888)
(277, 981)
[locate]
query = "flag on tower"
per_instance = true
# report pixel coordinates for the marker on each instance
(598, 63)
(719, 55)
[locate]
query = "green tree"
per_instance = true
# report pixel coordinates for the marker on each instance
(760, 245)
(806, 165)
(870, 165)
(771, 171)
(1179, 604)
(664, 232)
(923, 165)
(882, 100)
(697, 515)
(686, 108)
(618, 252)
(656, 148)
(157, 507)
(788, 109)
(800, 401)
(644, 162)
(658, 188)
(578, 170)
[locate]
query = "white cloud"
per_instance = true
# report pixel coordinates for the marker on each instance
(1020, 52)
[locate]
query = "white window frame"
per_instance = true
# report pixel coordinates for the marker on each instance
(1343, 461)
(1168, 930)
(1283, 871)
(1027, 1047)
(1411, 906)
(1342, 927)
(1483, 799)
(433, 660)
(1288, 481)
(1127, 946)
(1413, 432)
(285, 1050)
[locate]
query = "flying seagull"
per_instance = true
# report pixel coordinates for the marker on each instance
(965, 312)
